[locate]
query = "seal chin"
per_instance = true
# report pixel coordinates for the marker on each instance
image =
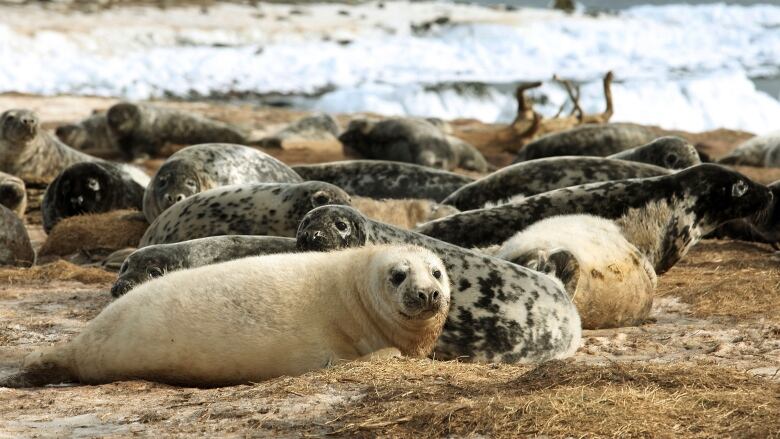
(314, 241)
(121, 287)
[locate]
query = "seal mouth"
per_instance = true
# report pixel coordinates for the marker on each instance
(121, 287)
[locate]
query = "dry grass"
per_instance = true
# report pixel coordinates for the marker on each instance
(56, 271)
(402, 213)
(106, 231)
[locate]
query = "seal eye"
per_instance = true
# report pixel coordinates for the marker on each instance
(190, 183)
(341, 226)
(123, 268)
(397, 278)
(738, 189)
(671, 160)
(437, 273)
(93, 184)
(155, 272)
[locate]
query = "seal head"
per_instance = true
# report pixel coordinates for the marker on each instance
(330, 228)
(176, 181)
(18, 127)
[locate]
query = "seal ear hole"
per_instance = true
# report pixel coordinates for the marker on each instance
(671, 160)
(738, 189)
(397, 278)
(154, 272)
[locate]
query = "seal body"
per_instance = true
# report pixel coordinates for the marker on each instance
(317, 127)
(500, 311)
(13, 194)
(669, 152)
(92, 135)
(411, 140)
(598, 140)
(31, 153)
(678, 208)
(202, 167)
(15, 246)
(614, 282)
(761, 151)
(383, 179)
(542, 175)
(92, 187)
(257, 318)
(249, 209)
(144, 129)
(157, 260)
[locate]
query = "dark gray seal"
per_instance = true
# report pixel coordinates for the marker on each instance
(317, 127)
(670, 213)
(31, 153)
(668, 152)
(499, 311)
(533, 177)
(763, 226)
(13, 193)
(599, 140)
(15, 247)
(202, 167)
(411, 140)
(248, 209)
(92, 187)
(92, 135)
(144, 129)
(382, 179)
(156, 260)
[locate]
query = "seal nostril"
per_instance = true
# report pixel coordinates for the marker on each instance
(422, 296)
(179, 197)
(435, 295)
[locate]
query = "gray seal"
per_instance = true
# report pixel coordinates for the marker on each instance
(202, 167)
(31, 153)
(669, 152)
(248, 209)
(763, 226)
(499, 311)
(533, 177)
(91, 135)
(91, 187)
(157, 260)
(682, 207)
(145, 129)
(760, 151)
(15, 247)
(599, 140)
(411, 140)
(13, 193)
(317, 127)
(382, 179)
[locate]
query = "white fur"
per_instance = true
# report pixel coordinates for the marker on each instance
(510, 200)
(137, 174)
(616, 281)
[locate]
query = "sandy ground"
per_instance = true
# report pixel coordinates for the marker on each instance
(707, 363)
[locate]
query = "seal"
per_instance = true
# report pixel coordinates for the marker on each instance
(144, 129)
(381, 179)
(411, 140)
(317, 127)
(92, 187)
(31, 153)
(248, 209)
(92, 135)
(533, 177)
(13, 194)
(406, 214)
(257, 318)
(157, 260)
(599, 140)
(760, 151)
(669, 152)
(662, 216)
(610, 280)
(202, 167)
(15, 246)
(500, 311)
(763, 226)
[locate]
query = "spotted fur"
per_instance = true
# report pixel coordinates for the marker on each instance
(668, 152)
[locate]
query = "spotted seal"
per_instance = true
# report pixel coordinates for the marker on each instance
(761, 151)
(144, 129)
(411, 140)
(91, 135)
(92, 187)
(15, 246)
(542, 175)
(669, 152)
(157, 260)
(202, 167)
(31, 153)
(257, 318)
(381, 179)
(248, 209)
(316, 127)
(662, 216)
(500, 311)
(13, 193)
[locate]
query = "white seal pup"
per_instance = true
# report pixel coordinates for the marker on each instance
(15, 246)
(202, 167)
(500, 311)
(383, 179)
(13, 193)
(257, 318)
(157, 260)
(248, 209)
(668, 214)
(610, 280)
(92, 187)
(760, 151)
(29, 152)
(670, 152)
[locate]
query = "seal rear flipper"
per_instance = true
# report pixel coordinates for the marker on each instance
(38, 377)
(559, 263)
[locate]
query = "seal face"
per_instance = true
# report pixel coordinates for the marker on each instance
(15, 246)
(157, 260)
(499, 311)
(382, 179)
(670, 152)
(762, 226)
(90, 187)
(697, 200)
(249, 209)
(201, 167)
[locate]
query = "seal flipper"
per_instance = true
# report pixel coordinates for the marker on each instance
(559, 263)
(41, 368)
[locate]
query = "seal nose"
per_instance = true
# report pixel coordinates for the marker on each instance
(429, 299)
(28, 121)
(120, 288)
(173, 199)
